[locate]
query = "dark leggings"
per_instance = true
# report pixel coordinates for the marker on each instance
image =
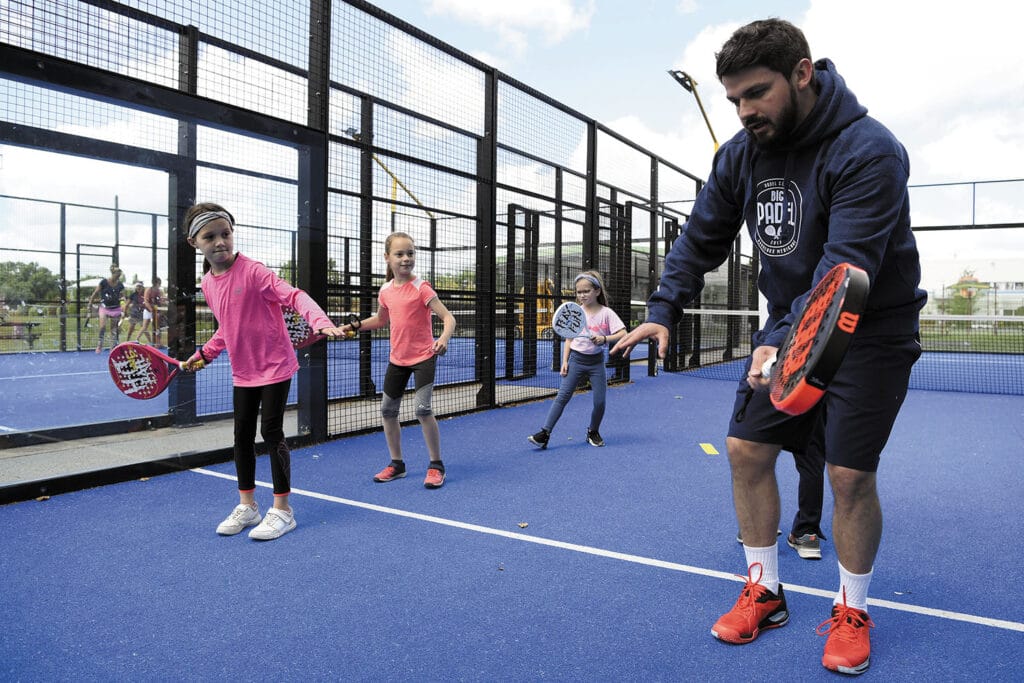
(248, 401)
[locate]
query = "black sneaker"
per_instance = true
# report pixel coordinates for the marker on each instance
(807, 546)
(540, 438)
(594, 438)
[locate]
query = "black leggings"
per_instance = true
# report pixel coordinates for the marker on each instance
(248, 400)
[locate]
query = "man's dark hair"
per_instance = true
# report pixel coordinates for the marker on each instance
(772, 43)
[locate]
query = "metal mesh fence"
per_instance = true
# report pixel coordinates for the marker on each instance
(325, 127)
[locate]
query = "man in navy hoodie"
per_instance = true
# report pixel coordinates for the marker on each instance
(817, 182)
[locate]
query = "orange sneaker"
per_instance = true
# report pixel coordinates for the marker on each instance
(848, 648)
(389, 473)
(435, 478)
(756, 610)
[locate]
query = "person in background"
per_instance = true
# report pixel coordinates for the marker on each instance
(133, 307)
(152, 302)
(110, 293)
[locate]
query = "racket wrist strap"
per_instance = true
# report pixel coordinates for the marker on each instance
(202, 356)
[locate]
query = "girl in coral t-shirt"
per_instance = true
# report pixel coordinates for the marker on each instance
(406, 303)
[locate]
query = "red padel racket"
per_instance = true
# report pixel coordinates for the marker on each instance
(808, 359)
(141, 371)
(300, 331)
(570, 321)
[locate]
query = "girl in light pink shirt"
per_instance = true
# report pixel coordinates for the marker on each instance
(406, 303)
(246, 299)
(584, 357)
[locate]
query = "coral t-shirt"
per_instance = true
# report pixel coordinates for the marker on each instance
(408, 309)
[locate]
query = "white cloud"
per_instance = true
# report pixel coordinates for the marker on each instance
(515, 22)
(698, 61)
(971, 147)
(947, 81)
(490, 59)
(686, 6)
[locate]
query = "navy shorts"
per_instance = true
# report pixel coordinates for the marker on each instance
(855, 416)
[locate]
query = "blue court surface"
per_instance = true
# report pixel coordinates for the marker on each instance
(570, 564)
(50, 390)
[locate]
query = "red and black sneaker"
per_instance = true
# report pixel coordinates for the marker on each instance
(756, 609)
(848, 648)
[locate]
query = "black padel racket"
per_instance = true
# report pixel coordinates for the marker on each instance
(300, 331)
(141, 371)
(569, 321)
(355, 323)
(808, 359)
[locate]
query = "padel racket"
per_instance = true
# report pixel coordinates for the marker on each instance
(141, 371)
(300, 331)
(353, 320)
(570, 321)
(809, 357)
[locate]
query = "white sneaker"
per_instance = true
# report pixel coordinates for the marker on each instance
(240, 518)
(276, 523)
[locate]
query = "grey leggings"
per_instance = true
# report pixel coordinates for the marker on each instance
(581, 365)
(395, 379)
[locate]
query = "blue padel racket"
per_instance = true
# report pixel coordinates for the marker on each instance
(570, 321)
(814, 348)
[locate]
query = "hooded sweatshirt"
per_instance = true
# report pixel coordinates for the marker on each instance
(834, 192)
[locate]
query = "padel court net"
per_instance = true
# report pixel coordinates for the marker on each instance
(977, 354)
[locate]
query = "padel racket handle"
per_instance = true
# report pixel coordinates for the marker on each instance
(766, 369)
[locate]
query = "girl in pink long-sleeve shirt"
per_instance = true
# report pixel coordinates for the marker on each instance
(246, 299)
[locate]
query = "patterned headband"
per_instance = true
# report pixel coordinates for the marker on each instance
(589, 278)
(205, 217)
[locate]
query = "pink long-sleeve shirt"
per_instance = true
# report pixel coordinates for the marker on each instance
(247, 301)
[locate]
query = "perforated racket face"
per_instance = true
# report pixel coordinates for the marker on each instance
(299, 331)
(139, 371)
(569, 320)
(818, 340)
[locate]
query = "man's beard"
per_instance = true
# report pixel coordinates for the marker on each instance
(781, 130)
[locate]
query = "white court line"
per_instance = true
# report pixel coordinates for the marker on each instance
(626, 557)
(58, 374)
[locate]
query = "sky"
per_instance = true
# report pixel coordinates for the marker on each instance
(949, 82)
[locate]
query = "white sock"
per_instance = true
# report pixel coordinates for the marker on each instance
(769, 559)
(856, 588)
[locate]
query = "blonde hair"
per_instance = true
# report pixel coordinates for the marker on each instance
(390, 274)
(594, 278)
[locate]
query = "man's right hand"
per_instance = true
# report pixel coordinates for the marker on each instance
(643, 331)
